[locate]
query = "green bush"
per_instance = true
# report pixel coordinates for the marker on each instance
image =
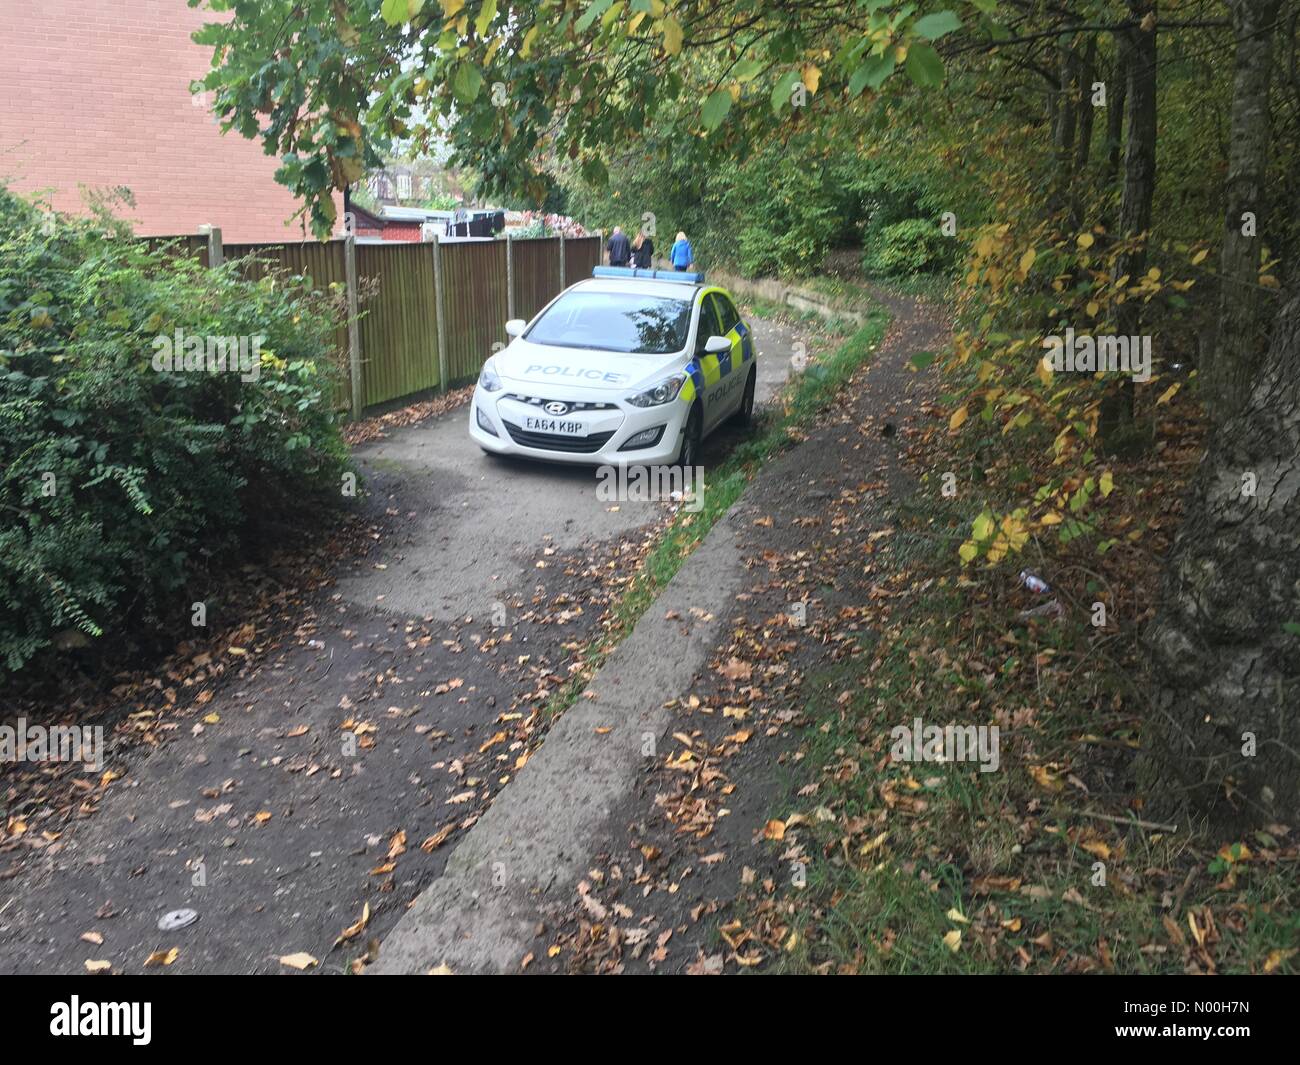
(123, 487)
(913, 246)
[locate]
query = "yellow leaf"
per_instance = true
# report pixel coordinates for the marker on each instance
(1044, 778)
(1168, 393)
(1044, 371)
(812, 77)
(98, 966)
(958, 416)
(1106, 483)
(1027, 260)
(1199, 257)
(301, 960)
(162, 957)
(212, 719)
(672, 32)
(1092, 308)
(956, 915)
(982, 527)
(774, 829)
(1085, 240)
(953, 940)
(967, 551)
(1050, 518)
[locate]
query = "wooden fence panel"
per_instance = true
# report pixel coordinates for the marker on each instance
(581, 256)
(474, 288)
(537, 274)
(399, 320)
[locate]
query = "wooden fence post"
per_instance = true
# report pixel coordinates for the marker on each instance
(354, 327)
(510, 276)
(440, 309)
(216, 250)
(561, 260)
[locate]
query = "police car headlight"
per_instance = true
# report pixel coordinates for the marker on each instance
(488, 379)
(664, 392)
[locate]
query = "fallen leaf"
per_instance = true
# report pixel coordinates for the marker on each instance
(301, 960)
(354, 930)
(162, 957)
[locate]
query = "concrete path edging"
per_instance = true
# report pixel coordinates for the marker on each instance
(530, 849)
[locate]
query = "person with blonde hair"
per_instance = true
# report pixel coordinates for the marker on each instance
(643, 250)
(681, 255)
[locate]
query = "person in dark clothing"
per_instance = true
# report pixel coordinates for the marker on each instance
(643, 250)
(620, 248)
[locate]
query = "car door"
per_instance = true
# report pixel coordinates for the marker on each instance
(742, 348)
(713, 369)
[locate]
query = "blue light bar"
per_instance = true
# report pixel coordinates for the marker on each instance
(685, 277)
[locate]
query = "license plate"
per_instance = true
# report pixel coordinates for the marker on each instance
(559, 426)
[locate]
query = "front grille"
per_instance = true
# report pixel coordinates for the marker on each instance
(578, 445)
(538, 401)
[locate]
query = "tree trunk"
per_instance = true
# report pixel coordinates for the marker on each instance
(1139, 159)
(1116, 416)
(1087, 72)
(1064, 120)
(1225, 668)
(1117, 92)
(1235, 357)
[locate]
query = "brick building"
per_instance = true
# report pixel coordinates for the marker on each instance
(97, 94)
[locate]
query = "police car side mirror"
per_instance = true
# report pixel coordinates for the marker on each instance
(717, 345)
(515, 327)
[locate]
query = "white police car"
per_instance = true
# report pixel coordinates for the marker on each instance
(626, 367)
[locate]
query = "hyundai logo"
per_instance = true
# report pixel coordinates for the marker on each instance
(557, 408)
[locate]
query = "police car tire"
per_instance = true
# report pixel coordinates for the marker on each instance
(744, 415)
(692, 437)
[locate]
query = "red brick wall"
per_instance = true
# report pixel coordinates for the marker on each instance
(97, 93)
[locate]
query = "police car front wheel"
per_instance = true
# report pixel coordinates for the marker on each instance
(692, 436)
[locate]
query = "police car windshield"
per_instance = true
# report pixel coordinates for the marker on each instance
(615, 321)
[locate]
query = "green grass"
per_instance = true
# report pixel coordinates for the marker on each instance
(949, 658)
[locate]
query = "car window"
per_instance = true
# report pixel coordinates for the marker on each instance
(709, 325)
(728, 316)
(614, 321)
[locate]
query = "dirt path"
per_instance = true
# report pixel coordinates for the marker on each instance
(384, 713)
(814, 530)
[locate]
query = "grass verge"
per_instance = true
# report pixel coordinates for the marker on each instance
(1046, 863)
